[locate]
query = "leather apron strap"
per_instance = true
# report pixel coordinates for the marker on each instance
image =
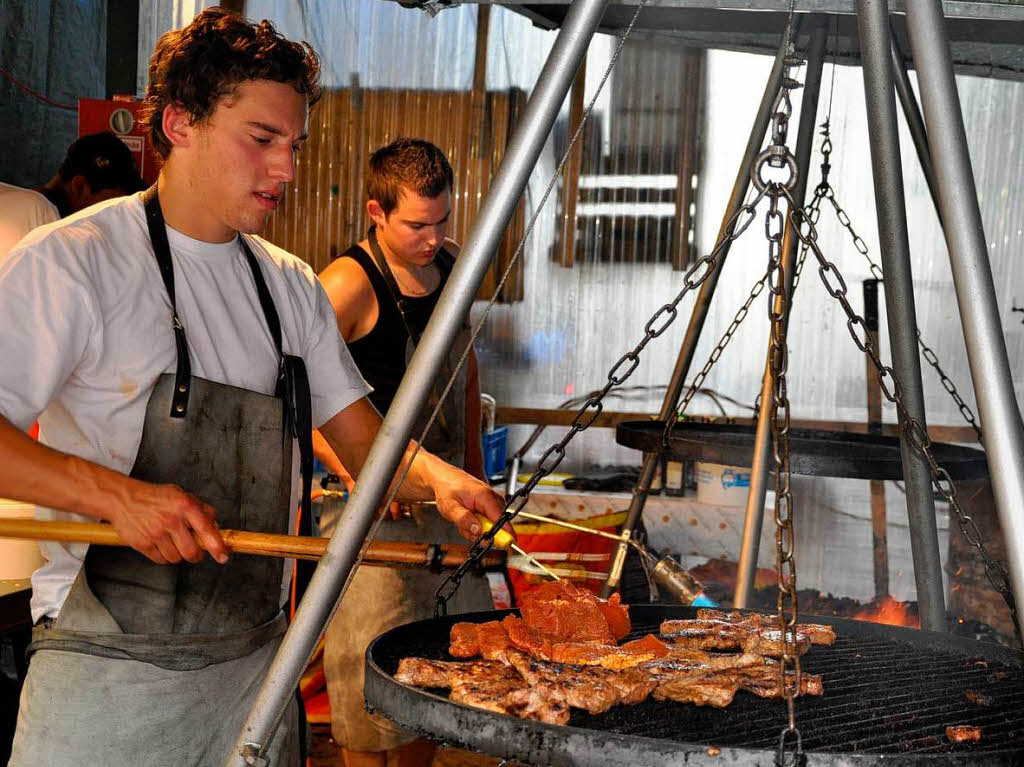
(158, 236)
(447, 441)
(293, 388)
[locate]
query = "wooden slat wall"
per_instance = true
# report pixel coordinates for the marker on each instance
(325, 210)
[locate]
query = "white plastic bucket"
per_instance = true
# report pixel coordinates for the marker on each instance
(18, 559)
(722, 485)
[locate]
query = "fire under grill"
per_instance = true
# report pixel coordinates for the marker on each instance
(890, 693)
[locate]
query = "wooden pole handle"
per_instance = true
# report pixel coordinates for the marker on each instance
(381, 553)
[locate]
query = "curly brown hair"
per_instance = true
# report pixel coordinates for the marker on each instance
(200, 64)
(407, 163)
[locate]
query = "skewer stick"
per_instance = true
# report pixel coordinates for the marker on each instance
(504, 540)
(381, 553)
(545, 520)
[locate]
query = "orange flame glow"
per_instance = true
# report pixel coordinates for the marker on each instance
(890, 612)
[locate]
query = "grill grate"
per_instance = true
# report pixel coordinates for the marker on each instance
(889, 691)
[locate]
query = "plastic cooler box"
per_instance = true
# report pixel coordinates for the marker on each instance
(495, 447)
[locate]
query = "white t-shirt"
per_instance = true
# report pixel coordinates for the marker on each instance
(85, 330)
(21, 211)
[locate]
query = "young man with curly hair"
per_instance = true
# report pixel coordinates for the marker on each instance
(173, 359)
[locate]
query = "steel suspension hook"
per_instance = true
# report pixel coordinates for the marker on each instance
(790, 754)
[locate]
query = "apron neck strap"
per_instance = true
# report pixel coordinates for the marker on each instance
(391, 282)
(266, 302)
(162, 251)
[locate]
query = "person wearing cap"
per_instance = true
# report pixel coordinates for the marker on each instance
(97, 167)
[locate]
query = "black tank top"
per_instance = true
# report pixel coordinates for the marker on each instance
(380, 354)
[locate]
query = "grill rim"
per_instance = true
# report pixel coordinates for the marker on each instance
(573, 746)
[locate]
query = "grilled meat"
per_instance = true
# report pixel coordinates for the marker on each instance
(501, 689)
(613, 658)
(763, 680)
(703, 687)
(421, 672)
(698, 689)
(488, 640)
(562, 611)
(588, 687)
(489, 685)
(963, 733)
(710, 634)
(698, 661)
(818, 633)
(562, 654)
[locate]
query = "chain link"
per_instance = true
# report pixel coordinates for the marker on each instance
(948, 385)
(591, 409)
(824, 190)
(790, 750)
(912, 428)
(716, 353)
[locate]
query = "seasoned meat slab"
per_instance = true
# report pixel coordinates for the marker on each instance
(818, 633)
(487, 640)
(963, 733)
(591, 688)
(717, 688)
(563, 612)
(421, 672)
(489, 685)
(711, 634)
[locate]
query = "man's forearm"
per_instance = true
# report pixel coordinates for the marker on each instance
(161, 521)
(34, 473)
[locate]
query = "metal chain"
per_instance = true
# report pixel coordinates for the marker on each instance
(592, 408)
(948, 385)
(814, 211)
(825, 190)
(716, 353)
(790, 750)
(893, 391)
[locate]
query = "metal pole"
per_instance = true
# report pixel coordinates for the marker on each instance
(879, 531)
(760, 466)
(1003, 433)
(915, 122)
(698, 315)
(506, 190)
(890, 207)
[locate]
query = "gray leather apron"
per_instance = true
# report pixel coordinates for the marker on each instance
(380, 598)
(233, 448)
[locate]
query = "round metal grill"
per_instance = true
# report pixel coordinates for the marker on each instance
(812, 451)
(890, 693)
